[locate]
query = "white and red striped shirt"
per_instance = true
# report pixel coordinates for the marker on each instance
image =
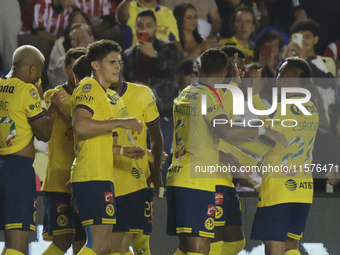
(45, 17)
(96, 8)
(333, 51)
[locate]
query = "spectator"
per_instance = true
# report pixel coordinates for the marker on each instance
(80, 36)
(193, 44)
(126, 15)
(186, 71)
(332, 51)
(242, 23)
(209, 20)
(155, 63)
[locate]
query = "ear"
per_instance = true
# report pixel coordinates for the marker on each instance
(31, 69)
(95, 65)
(316, 39)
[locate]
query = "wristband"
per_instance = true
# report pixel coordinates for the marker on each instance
(262, 130)
(121, 151)
(161, 192)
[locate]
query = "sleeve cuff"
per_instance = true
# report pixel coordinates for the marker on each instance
(84, 107)
(38, 116)
(153, 122)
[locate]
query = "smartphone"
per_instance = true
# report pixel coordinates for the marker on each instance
(266, 51)
(297, 38)
(143, 36)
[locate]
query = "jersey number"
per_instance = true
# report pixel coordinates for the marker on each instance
(12, 130)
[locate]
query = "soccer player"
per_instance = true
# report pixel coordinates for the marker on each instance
(286, 196)
(133, 195)
(60, 222)
(191, 195)
(21, 116)
(92, 173)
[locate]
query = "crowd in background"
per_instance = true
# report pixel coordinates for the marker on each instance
(166, 57)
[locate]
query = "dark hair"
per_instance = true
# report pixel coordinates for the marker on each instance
(87, 28)
(306, 25)
(97, 51)
(67, 42)
(213, 61)
(147, 13)
(267, 36)
(188, 67)
(81, 68)
(241, 8)
(179, 13)
(300, 65)
(230, 51)
(73, 53)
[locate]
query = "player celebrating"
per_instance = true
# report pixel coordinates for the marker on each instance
(21, 116)
(285, 197)
(191, 201)
(92, 173)
(59, 222)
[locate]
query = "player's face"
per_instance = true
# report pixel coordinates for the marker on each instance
(109, 68)
(190, 20)
(244, 25)
(308, 41)
(147, 24)
(36, 74)
(80, 38)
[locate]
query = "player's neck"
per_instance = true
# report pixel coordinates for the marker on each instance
(101, 81)
(117, 86)
(70, 86)
(14, 73)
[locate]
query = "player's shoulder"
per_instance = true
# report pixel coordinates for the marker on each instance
(88, 85)
(138, 87)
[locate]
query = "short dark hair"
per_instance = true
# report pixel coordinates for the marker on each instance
(230, 51)
(241, 8)
(267, 36)
(300, 65)
(188, 67)
(306, 25)
(213, 61)
(147, 13)
(97, 51)
(73, 53)
(81, 68)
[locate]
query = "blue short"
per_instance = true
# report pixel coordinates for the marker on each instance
(228, 207)
(130, 212)
(148, 209)
(96, 202)
(190, 211)
(18, 196)
(59, 217)
(276, 222)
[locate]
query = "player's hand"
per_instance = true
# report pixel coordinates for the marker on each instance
(135, 152)
(146, 48)
(132, 123)
(156, 179)
(257, 83)
(58, 97)
(150, 157)
(236, 72)
(276, 136)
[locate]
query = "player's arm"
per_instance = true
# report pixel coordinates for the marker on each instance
(216, 22)
(122, 12)
(83, 124)
(135, 152)
(156, 141)
(55, 108)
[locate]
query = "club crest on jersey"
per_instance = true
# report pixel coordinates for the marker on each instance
(218, 212)
(34, 93)
(87, 88)
(62, 220)
(209, 223)
(110, 210)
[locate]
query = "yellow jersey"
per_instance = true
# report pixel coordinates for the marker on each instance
(94, 158)
(60, 148)
(130, 175)
(233, 41)
(19, 104)
(286, 177)
(166, 24)
(195, 142)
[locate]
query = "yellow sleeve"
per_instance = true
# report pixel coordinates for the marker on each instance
(32, 104)
(214, 110)
(47, 96)
(151, 114)
(259, 105)
(86, 97)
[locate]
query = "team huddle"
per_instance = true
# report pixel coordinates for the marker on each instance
(101, 177)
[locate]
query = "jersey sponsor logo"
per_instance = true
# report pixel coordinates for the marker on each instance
(62, 220)
(35, 201)
(110, 210)
(34, 94)
(61, 208)
(211, 210)
(85, 98)
(306, 185)
(135, 173)
(108, 197)
(219, 198)
(7, 89)
(87, 88)
(218, 212)
(291, 185)
(37, 105)
(209, 223)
